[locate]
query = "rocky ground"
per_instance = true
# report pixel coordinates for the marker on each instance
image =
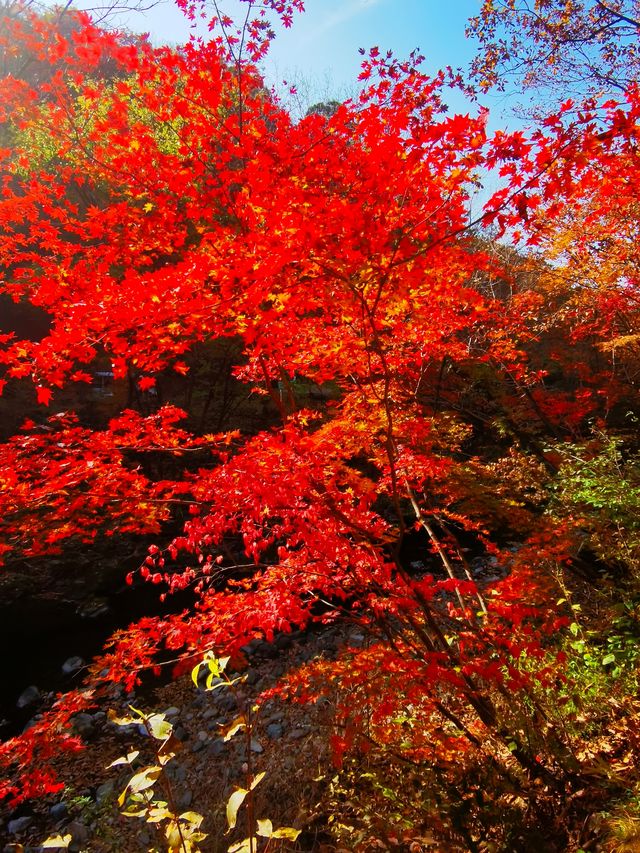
(289, 742)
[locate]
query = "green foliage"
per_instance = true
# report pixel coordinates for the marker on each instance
(599, 485)
(622, 823)
(51, 143)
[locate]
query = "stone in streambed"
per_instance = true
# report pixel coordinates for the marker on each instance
(59, 811)
(15, 827)
(73, 664)
(28, 697)
(275, 731)
(83, 725)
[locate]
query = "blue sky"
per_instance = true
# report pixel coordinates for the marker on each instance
(319, 54)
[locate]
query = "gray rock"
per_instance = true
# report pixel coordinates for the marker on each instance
(250, 648)
(275, 731)
(125, 731)
(80, 834)
(28, 697)
(105, 791)
(59, 811)
(296, 734)
(283, 642)
(256, 746)
(73, 664)
(266, 650)
(226, 703)
(185, 799)
(176, 772)
(94, 608)
(172, 712)
(197, 746)
(217, 747)
(83, 725)
(19, 824)
(253, 676)
(145, 837)
(274, 718)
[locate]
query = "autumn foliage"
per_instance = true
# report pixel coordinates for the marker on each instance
(392, 332)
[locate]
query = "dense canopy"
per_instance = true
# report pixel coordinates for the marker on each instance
(322, 361)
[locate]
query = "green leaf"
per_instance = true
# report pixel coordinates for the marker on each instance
(233, 804)
(608, 659)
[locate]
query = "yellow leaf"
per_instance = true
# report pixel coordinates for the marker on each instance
(286, 832)
(265, 828)
(57, 842)
(245, 846)
(236, 725)
(256, 780)
(233, 804)
(193, 818)
(125, 759)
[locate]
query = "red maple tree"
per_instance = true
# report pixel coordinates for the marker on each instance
(175, 204)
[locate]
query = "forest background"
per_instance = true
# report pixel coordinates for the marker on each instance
(281, 371)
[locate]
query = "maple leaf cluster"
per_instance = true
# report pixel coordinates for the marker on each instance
(173, 204)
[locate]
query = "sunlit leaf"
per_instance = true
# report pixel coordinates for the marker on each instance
(233, 804)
